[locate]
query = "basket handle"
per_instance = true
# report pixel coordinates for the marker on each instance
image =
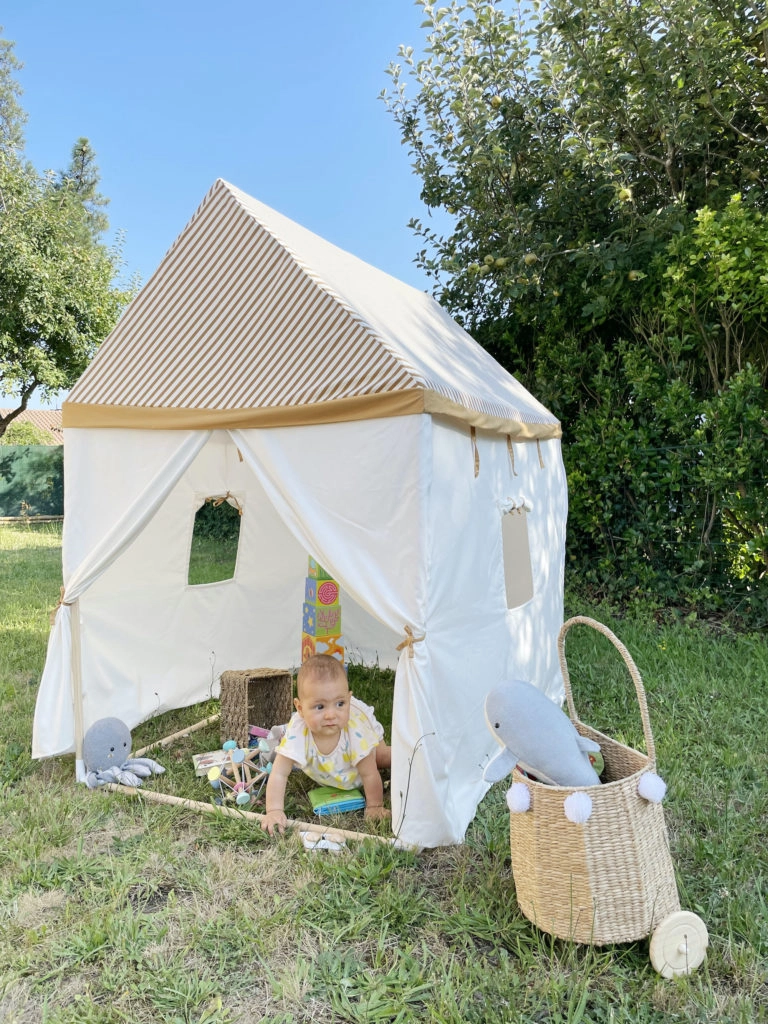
(650, 746)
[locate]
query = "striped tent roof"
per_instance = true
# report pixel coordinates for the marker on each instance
(251, 320)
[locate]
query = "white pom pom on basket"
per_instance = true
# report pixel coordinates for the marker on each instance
(608, 879)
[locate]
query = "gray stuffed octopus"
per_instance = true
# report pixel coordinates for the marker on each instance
(107, 756)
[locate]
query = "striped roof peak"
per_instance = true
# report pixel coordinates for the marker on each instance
(251, 319)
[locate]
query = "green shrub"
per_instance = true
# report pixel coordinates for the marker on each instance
(31, 480)
(26, 433)
(217, 520)
(667, 491)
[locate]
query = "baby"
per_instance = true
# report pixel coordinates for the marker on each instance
(333, 737)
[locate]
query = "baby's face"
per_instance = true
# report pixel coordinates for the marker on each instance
(324, 704)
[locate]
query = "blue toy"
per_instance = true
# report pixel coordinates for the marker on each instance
(107, 756)
(537, 735)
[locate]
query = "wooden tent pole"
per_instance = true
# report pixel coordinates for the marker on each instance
(177, 735)
(232, 812)
(77, 677)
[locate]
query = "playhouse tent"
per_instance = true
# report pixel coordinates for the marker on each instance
(352, 420)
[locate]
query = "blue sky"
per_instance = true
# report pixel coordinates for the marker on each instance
(281, 99)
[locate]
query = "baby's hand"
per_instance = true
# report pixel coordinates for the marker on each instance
(274, 821)
(377, 812)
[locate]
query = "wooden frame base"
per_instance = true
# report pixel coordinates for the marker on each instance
(200, 807)
(177, 735)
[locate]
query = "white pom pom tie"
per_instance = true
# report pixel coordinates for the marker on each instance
(652, 787)
(518, 798)
(578, 807)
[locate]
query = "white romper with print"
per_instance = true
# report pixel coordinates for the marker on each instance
(339, 768)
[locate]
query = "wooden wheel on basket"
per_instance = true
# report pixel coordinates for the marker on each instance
(679, 944)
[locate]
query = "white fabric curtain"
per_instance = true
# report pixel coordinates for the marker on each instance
(53, 729)
(391, 507)
(357, 499)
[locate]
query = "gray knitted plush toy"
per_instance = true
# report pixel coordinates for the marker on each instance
(107, 756)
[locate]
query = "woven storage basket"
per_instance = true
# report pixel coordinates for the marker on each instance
(254, 696)
(610, 879)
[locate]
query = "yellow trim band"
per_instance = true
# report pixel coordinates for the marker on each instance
(364, 407)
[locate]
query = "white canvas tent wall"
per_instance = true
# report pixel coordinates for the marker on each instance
(354, 420)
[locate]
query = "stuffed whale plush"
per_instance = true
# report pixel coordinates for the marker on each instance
(535, 734)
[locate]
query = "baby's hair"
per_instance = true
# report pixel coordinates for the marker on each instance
(323, 667)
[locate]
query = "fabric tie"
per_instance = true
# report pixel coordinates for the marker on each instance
(475, 452)
(59, 603)
(511, 450)
(409, 641)
(226, 497)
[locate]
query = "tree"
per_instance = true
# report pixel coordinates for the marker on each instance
(570, 141)
(24, 433)
(602, 167)
(11, 115)
(58, 298)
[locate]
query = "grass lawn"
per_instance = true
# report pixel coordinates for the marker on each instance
(114, 910)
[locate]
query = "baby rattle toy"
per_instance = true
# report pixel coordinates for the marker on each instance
(235, 773)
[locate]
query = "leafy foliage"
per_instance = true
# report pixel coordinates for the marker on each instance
(25, 432)
(217, 520)
(215, 540)
(57, 297)
(31, 480)
(714, 290)
(602, 174)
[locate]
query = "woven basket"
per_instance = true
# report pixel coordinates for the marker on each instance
(254, 696)
(610, 879)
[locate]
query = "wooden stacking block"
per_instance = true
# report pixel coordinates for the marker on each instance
(328, 593)
(319, 620)
(321, 592)
(321, 615)
(321, 645)
(317, 572)
(254, 696)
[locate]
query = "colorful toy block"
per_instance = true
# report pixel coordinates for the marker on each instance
(317, 572)
(324, 591)
(321, 645)
(319, 620)
(321, 615)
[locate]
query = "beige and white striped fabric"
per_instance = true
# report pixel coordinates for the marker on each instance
(251, 320)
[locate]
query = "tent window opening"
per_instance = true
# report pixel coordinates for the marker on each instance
(215, 540)
(518, 576)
